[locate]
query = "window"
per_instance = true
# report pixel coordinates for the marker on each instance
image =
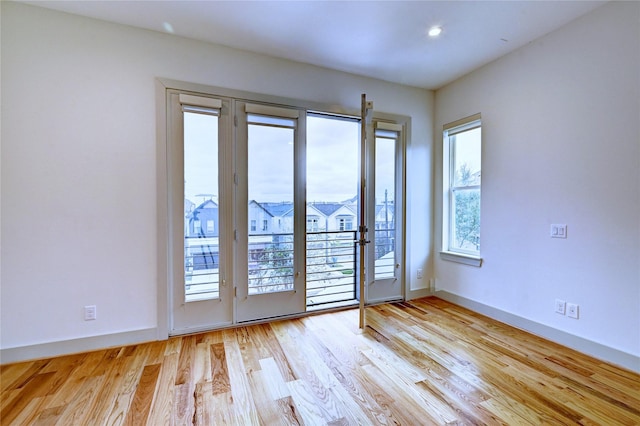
(253, 225)
(210, 226)
(196, 227)
(265, 224)
(312, 225)
(345, 224)
(462, 176)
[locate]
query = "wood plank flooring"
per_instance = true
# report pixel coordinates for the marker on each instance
(424, 362)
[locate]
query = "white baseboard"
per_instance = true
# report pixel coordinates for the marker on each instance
(85, 344)
(418, 293)
(596, 350)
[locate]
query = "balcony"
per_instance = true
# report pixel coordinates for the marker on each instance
(331, 265)
(331, 268)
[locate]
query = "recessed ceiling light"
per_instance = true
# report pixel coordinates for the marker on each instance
(435, 31)
(168, 27)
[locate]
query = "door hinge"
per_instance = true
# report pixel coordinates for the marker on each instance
(235, 120)
(235, 235)
(235, 178)
(235, 292)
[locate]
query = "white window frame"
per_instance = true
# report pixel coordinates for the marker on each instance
(449, 252)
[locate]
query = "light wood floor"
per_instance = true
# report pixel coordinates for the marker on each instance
(418, 363)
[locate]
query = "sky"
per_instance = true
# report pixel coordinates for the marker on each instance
(468, 149)
(332, 160)
(200, 153)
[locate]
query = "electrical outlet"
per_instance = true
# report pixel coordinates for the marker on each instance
(560, 306)
(572, 310)
(419, 273)
(90, 312)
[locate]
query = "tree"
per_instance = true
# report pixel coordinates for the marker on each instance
(467, 209)
(274, 271)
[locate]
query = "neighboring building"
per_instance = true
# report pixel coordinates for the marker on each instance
(330, 217)
(281, 216)
(201, 238)
(272, 223)
(203, 220)
(259, 219)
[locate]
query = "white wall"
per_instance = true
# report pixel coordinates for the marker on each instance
(78, 162)
(561, 144)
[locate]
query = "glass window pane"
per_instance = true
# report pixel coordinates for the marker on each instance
(270, 210)
(385, 172)
(466, 220)
(201, 255)
(466, 158)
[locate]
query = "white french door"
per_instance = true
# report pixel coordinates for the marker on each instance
(384, 213)
(200, 209)
(270, 218)
(264, 211)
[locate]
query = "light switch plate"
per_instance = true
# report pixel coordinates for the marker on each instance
(558, 230)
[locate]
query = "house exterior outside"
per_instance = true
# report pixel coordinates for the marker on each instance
(201, 238)
(331, 230)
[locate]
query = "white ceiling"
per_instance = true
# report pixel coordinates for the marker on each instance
(381, 39)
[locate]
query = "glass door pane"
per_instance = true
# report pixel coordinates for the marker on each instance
(385, 212)
(270, 207)
(384, 238)
(201, 218)
(331, 211)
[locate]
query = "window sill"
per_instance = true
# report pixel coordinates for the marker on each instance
(461, 258)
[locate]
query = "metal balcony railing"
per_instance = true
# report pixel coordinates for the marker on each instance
(385, 247)
(331, 265)
(201, 264)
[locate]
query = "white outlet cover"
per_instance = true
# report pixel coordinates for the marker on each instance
(560, 306)
(572, 310)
